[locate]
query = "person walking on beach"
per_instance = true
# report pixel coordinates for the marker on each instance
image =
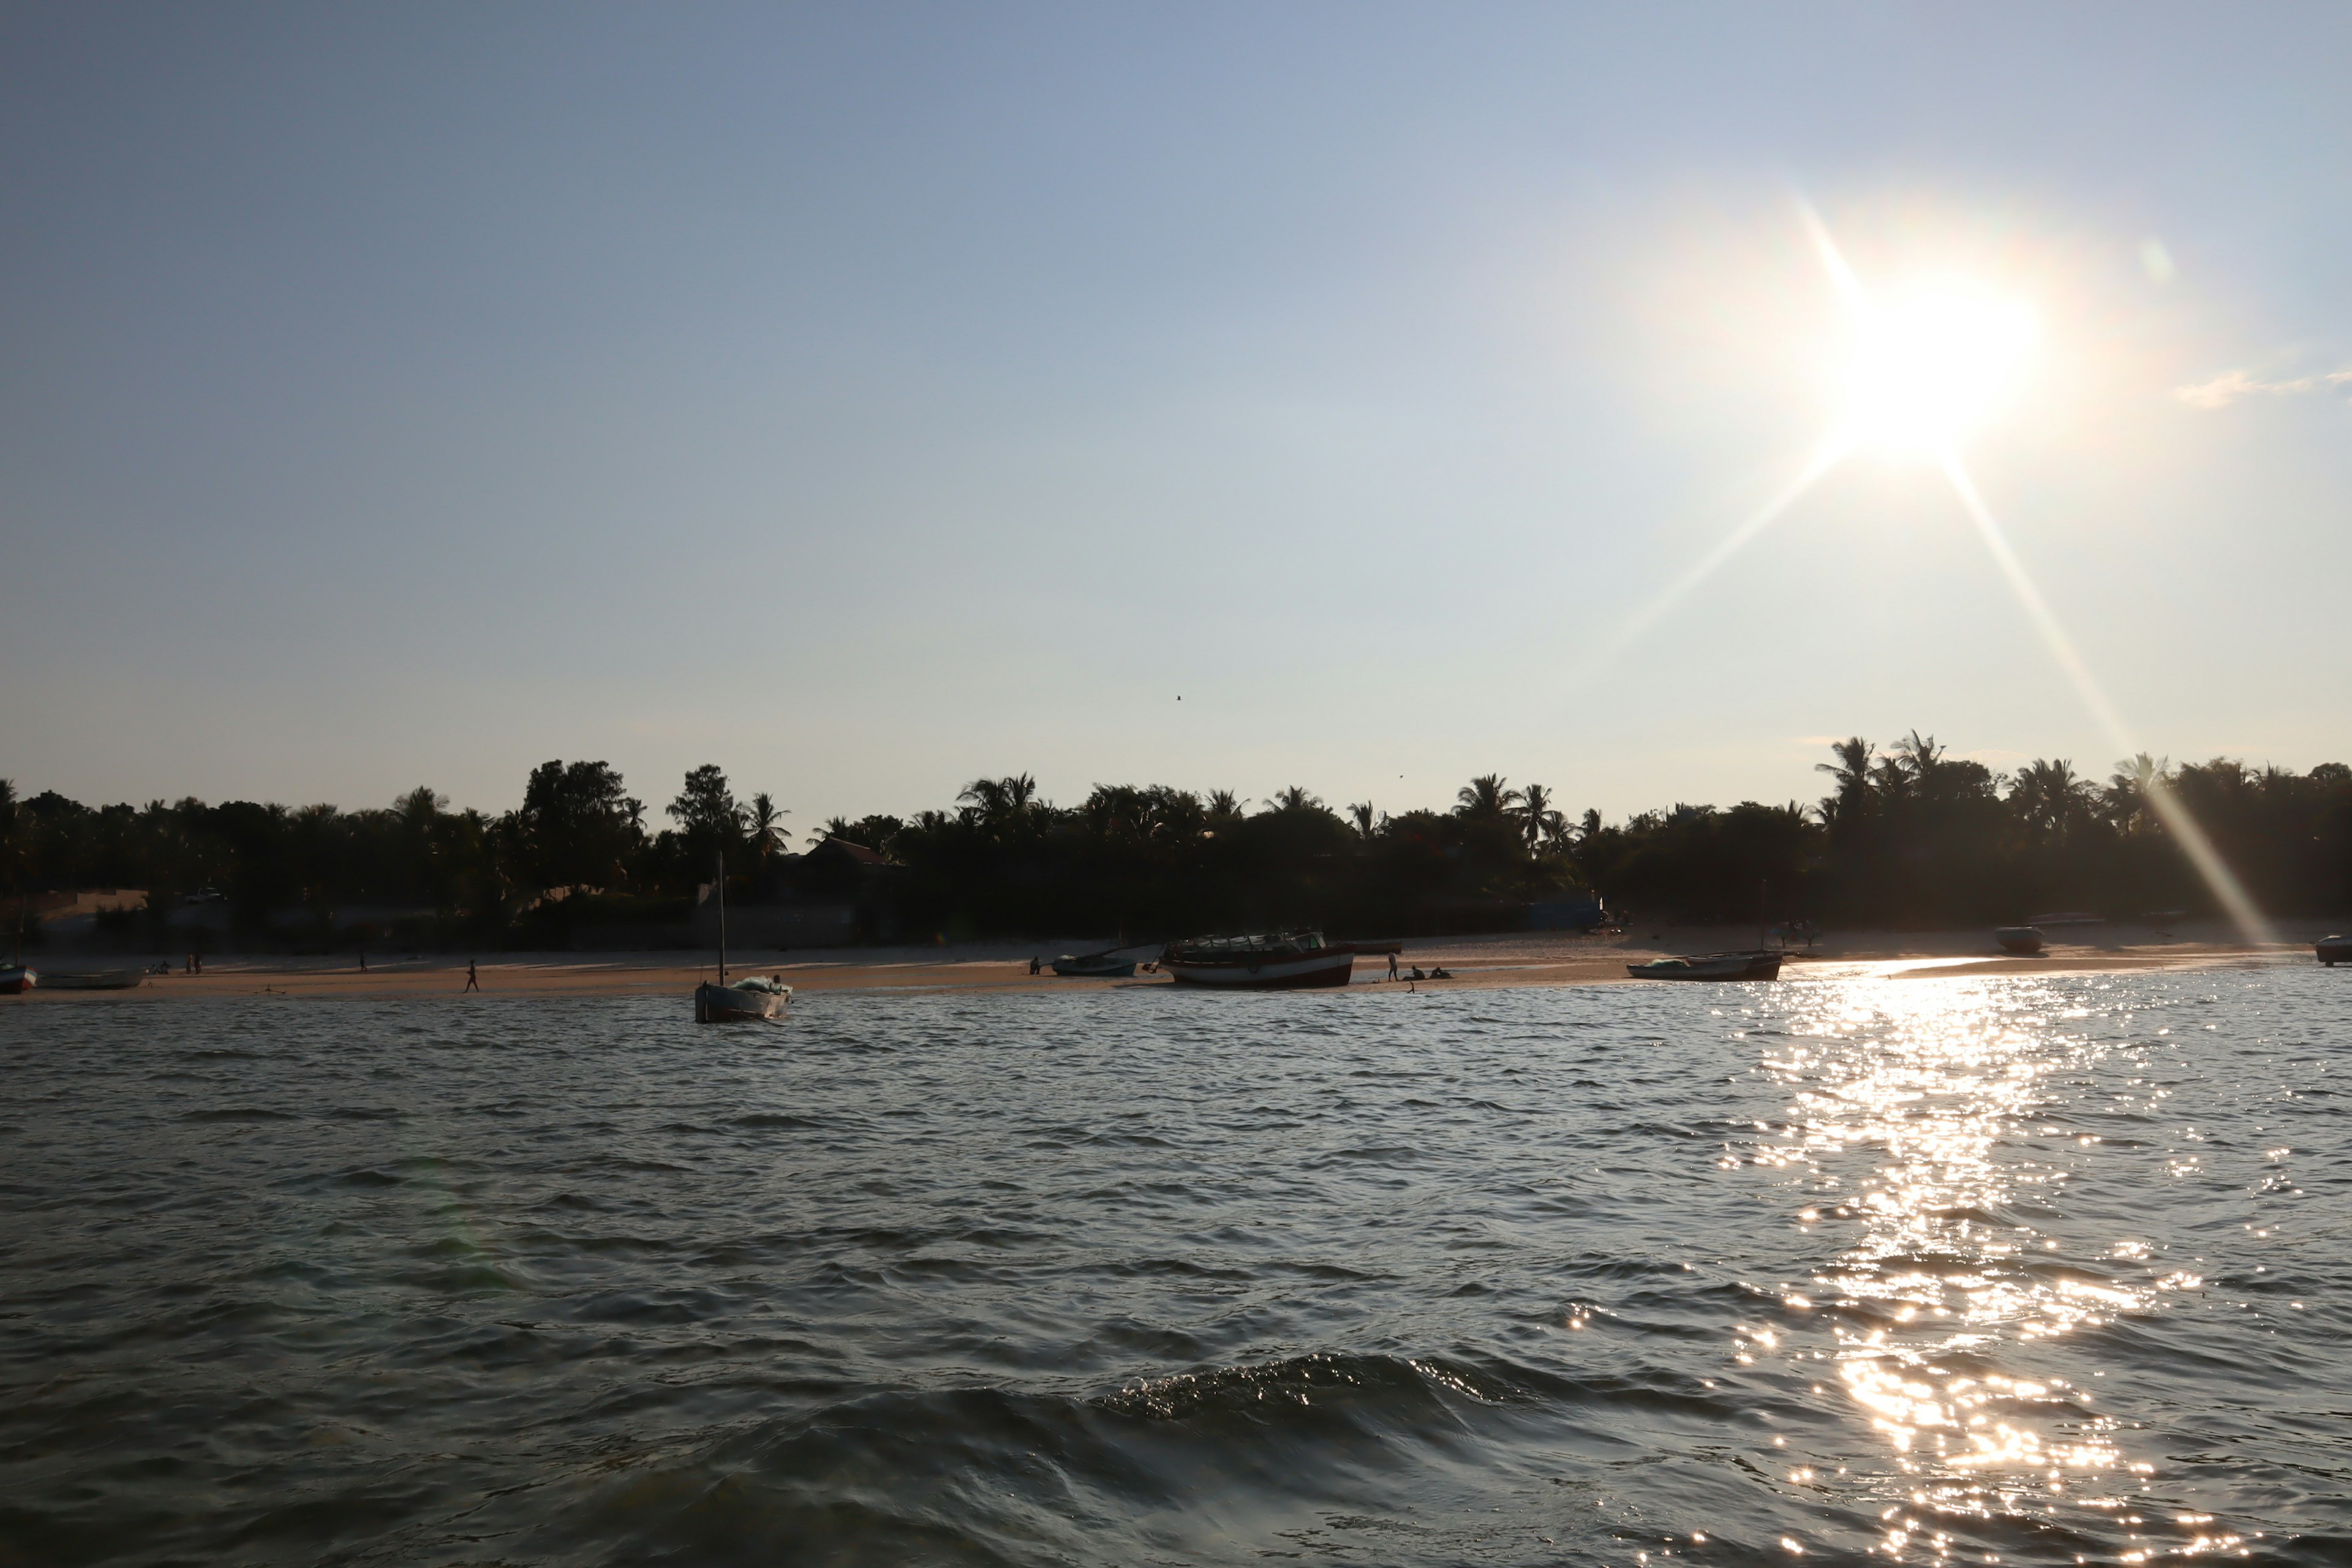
(1392, 967)
(473, 981)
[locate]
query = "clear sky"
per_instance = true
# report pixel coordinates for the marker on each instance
(869, 397)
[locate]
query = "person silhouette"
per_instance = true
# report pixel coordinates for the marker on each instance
(1392, 966)
(473, 981)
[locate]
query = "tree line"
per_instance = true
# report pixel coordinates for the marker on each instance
(1909, 836)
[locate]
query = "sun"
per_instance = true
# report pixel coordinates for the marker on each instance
(1930, 364)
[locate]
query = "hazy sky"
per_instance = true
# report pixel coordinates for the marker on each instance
(869, 397)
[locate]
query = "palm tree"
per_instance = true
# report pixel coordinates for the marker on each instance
(1486, 797)
(767, 824)
(1361, 813)
(2130, 787)
(1919, 756)
(1295, 798)
(1852, 771)
(2048, 797)
(1538, 820)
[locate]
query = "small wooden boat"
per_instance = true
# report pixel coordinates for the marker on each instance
(1761, 963)
(2335, 950)
(752, 1000)
(15, 979)
(2024, 940)
(92, 979)
(1106, 965)
(1275, 961)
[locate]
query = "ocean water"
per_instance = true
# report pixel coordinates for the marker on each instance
(2028, 1271)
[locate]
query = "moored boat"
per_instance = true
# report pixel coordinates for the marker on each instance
(1761, 963)
(752, 1000)
(15, 979)
(2022, 940)
(2335, 950)
(1107, 965)
(1275, 961)
(747, 1001)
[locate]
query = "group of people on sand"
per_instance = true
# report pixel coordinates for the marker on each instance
(1437, 972)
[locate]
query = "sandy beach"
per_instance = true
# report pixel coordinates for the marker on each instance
(1528, 958)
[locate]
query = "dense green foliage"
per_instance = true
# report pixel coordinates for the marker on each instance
(1913, 836)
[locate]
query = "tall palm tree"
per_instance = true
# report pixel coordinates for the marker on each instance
(1295, 798)
(1539, 819)
(1852, 771)
(1919, 756)
(767, 825)
(1486, 797)
(1361, 813)
(2129, 787)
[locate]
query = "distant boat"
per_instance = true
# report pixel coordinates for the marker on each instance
(2022, 940)
(1760, 963)
(1106, 965)
(15, 979)
(91, 980)
(2335, 950)
(754, 999)
(1275, 961)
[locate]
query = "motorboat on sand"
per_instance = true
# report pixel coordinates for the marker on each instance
(2023, 940)
(1105, 965)
(1762, 964)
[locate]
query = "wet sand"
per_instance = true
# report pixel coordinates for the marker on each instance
(1528, 958)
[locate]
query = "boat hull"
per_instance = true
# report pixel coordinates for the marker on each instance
(17, 981)
(2023, 940)
(101, 980)
(1308, 972)
(729, 1004)
(1711, 966)
(2335, 950)
(1121, 971)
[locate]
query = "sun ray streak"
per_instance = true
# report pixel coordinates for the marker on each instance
(1825, 458)
(2169, 808)
(1849, 287)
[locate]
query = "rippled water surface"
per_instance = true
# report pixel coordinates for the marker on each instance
(2033, 1269)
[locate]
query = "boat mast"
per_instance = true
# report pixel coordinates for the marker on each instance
(723, 918)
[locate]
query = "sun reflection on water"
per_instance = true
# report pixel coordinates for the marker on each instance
(1912, 1124)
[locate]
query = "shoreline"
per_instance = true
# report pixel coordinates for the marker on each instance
(1486, 961)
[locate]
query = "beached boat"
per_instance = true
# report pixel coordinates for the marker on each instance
(15, 979)
(2335, 950)
(2024, 940)
(1275, 961)
(1762, 964)
(1095, 966)
(92, 979)
(752, 1000)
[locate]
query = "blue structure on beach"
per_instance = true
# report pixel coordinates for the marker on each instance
(1567, 914)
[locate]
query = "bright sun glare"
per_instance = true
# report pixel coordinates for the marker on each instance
(1929, 366)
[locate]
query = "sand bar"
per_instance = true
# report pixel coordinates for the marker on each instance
(1507, 959)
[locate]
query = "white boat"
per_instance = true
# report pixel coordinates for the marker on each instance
(1760, 963)
(1278, 961)
(753, 999)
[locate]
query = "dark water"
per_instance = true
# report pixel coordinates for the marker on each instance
(2039, 1270)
